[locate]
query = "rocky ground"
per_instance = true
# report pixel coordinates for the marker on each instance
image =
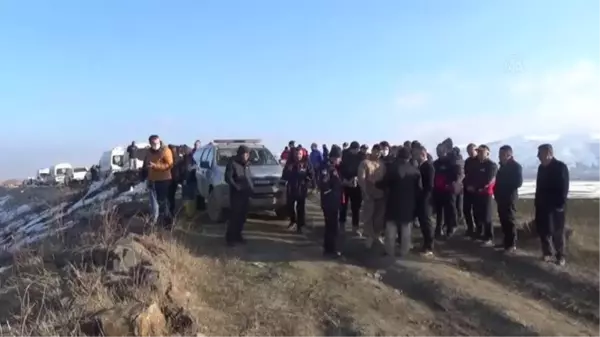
(109, 273)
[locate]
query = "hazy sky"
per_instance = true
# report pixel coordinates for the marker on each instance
(79, 77)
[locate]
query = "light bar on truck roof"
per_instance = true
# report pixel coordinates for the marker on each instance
(236, 141)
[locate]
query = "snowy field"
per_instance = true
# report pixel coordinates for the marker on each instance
(577, 190)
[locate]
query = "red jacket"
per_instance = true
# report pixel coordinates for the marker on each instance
(285, 154)
(304, 153)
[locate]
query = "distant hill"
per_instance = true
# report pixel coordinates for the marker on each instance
(581, 153)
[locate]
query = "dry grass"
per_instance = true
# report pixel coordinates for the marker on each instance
(221, 296)
(583, 219)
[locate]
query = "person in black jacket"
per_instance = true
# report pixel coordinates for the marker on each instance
(351, 159)
(508, 181)
(237, 176)
(482, 187)
(177, 175)
(470, 166)
(131, 149)
(299, 177)
(551, 190)
(331, 189)
(424, 202)
(447, 184)
(403, 184)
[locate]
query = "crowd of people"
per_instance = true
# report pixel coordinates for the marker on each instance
(401, 187)
(390, 188)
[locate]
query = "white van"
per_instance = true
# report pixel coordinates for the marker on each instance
(76, 175)
(58, 173)
(111, 161)
(42, 176)
(140, 154)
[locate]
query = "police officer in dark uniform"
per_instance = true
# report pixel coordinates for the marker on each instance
(331, 190)
(298, 175)
(237, 176)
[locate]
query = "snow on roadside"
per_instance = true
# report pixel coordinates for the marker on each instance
(24, 226)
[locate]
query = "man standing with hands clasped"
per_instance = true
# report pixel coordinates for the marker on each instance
(551, 190)
(508, 181)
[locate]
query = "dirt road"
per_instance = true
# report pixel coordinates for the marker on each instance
(464, 290)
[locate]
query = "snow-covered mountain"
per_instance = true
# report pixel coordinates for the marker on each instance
(581, 152)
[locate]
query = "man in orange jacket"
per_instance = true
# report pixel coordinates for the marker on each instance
(158, 164)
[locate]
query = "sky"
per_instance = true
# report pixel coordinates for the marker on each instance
(80, 77)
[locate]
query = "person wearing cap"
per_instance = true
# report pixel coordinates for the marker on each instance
(551, 191)
(370, 171)
(403, 184)
(344, 146)
(506, 193)
(157, 171)
(331, 190)
(237, 176)
(351, 159)
(299, 177)
(470, 168)
(482, 187)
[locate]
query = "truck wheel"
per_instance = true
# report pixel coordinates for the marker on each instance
(215, 211)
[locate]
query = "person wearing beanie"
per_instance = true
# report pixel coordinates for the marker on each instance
(351, 159)
(403, 184)
(370, 171)
(237, 176)
(331, 190)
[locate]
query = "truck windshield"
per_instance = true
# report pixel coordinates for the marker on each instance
(117, 160)
(79, 169)
(61, 171)
(258, 156)
(44, 175)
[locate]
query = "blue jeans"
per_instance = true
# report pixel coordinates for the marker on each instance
(159, 203)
